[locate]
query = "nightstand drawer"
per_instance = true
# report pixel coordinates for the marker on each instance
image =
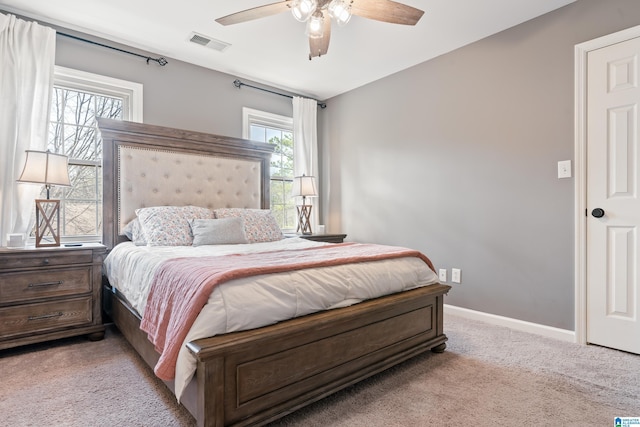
(45, 258)
(46, 316)
(26, 286)
(50, 293)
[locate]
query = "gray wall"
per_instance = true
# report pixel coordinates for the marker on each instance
(458, 157)
(178, 95)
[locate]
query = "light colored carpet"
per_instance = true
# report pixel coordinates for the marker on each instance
(489, 376)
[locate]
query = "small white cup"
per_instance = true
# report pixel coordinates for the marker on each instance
(320, 229)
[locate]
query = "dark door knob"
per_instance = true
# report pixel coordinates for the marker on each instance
(597, 213)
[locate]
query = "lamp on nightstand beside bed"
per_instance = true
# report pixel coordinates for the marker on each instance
(304, 186)
(45, 167)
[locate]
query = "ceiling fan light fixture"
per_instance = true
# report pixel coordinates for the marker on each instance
(302, 10)
(319, 14)
(340, 10)
(315, 25)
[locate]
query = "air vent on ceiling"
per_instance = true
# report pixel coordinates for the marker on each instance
(209, 42)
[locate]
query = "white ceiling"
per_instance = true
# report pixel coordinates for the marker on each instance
(274, 50)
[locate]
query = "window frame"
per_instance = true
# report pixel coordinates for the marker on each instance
(131, 94)
(251, 117)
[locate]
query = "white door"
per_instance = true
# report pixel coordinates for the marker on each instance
(613, 186)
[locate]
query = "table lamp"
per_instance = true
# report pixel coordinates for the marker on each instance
(45, 167)
(304, 186)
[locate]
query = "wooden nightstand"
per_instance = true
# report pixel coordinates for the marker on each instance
(330, 238)
(50, 293)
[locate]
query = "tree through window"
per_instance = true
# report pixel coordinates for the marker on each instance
(78, 99)
(73, 132)
(276, 130)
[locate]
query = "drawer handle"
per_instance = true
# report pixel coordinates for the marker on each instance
(45, 261)
(40, 285)
(45, 316)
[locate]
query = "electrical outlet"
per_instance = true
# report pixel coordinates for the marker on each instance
(456, 275)
(442, 275)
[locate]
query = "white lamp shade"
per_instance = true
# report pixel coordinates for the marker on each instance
(44, 167)
(304, 186)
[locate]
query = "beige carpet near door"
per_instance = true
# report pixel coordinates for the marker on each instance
(489, 376)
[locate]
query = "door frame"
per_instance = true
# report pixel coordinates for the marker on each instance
(580, 170)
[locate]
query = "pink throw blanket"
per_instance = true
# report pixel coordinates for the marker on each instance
(181, 286)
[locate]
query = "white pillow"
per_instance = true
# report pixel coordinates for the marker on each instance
(259, 224)
(223, 231)
(169, 225)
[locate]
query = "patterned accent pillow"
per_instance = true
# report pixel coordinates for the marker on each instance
(169, 225)
(259, 224)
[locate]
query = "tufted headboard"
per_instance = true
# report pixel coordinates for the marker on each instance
(146, 165)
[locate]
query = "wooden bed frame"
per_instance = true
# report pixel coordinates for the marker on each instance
(257, 376)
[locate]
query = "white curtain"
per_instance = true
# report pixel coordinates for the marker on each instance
(27, 56)
(305, 146)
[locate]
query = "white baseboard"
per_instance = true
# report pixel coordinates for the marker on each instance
(519, 325)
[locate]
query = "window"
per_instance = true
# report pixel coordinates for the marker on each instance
(277, 130)
(78, 99)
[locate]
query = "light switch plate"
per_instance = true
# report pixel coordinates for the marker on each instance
(564, 169)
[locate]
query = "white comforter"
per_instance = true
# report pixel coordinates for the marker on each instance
(261, 300)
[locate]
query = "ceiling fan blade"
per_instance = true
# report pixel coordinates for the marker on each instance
(387, 11)
(255, 13)
(320, 46)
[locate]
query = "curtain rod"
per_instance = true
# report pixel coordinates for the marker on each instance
(237, 83)
(161, 61)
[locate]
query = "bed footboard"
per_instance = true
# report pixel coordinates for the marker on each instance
(254, 377)
(257, 376)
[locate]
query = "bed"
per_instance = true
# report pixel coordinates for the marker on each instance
(255, 376)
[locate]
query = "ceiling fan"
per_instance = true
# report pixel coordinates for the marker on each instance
(318, 13)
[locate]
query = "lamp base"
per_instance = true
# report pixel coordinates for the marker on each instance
(47, 223)
(304, 219)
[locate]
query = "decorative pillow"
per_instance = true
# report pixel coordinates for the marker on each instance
(133, 231)
(259, 224)
(223, 231)
(169, 225)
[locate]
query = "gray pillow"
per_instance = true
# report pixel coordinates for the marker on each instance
(223, 231)
(133, 231)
